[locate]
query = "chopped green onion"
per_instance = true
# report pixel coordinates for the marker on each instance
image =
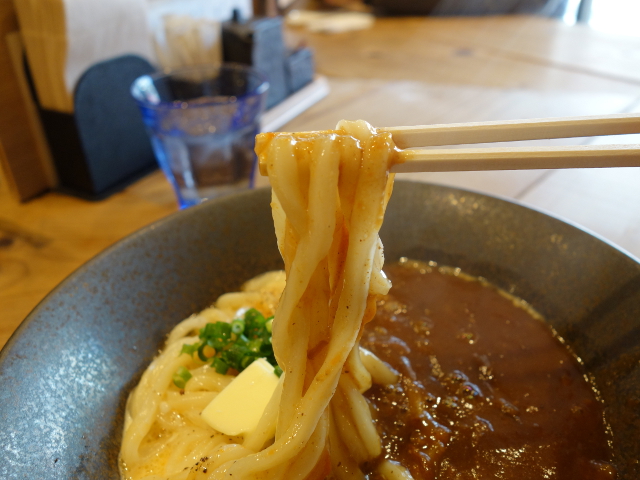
(252, 315)
(237, 327)
(235, 345)
(277, 370)
(246, 361)
(220, 366)
(201, 354)
(217, 334)
(181, 377)
(234, 355)
(190, 349)
(254, 345)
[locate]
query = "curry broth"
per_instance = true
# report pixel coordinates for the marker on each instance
(486, 391)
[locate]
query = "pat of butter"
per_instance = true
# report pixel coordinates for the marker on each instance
(237, 409)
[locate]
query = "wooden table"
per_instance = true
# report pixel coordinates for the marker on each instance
(401, 72)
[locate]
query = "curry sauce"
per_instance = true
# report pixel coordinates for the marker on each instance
(487, 389)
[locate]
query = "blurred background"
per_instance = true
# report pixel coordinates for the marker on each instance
(79, 173)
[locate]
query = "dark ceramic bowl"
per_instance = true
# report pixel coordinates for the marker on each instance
(67, 371)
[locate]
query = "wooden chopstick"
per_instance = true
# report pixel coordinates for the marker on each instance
(513, 130)
(524, 158)
(516, 158)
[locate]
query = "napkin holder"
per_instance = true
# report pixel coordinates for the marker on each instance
(103, 146)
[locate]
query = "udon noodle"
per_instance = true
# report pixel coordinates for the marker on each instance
(330, 191)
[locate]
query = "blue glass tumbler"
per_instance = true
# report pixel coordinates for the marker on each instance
(202, 122)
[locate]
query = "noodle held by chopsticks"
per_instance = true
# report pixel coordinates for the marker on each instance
(330, 191)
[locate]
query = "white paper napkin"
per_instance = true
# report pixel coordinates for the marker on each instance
(101, 29)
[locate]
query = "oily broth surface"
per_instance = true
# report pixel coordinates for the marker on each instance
(486, 390)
